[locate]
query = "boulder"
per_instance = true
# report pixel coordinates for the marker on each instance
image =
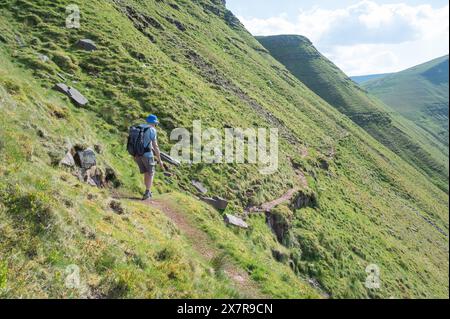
(199, 186)
(85, 159)
(77, 97)
(235, 221)
(86, 44)
(68, 160)
(73, 93)
(216, 202)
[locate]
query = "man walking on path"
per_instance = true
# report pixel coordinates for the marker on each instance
(146, 162)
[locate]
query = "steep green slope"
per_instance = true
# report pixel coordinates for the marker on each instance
(419, 94)
(189, 60)
(364, 78)
(412, 143)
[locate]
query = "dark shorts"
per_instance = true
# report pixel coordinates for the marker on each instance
(146, 164)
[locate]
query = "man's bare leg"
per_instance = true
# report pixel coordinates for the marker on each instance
(148, 180)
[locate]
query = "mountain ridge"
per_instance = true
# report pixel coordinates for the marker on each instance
(401, 135)
(420, 94)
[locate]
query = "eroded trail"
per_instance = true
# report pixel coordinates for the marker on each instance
(205, 247)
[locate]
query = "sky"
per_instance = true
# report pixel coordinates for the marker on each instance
(360, 36)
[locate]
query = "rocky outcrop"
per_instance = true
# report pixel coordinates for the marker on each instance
(216, 202)
(85, 159)
(305, 199)
(280, 221)
(86, 44)
(83, 162)
(235, 221)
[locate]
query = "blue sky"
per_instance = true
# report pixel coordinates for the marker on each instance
(360, 36)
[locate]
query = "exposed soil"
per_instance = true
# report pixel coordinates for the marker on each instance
(206, 248)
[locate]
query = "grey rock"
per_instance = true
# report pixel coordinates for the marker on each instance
(86, 44)
(43, 58)
(216, 202)
(235, 221)
(73, 93)
(61, 87)
(85, 159)
(77, 97)
(68, 160)
(199, 186)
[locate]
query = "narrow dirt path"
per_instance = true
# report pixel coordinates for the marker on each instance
(206, 248)
(267, 207)
(286, 198)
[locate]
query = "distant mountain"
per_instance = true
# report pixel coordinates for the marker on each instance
(411, 142)
(338, 201)
(364, 78)
(419, 94)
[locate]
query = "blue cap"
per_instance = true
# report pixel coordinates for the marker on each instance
(152, 119)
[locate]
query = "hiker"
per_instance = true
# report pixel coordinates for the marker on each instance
(142, 142)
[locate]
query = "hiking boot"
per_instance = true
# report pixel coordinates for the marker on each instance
(147, 195)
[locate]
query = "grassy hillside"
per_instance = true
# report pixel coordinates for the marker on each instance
(419, 94)
(364, 78)
(189, 60)
(406, 139)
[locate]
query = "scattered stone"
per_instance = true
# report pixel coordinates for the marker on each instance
(86, 44)
(199, 186)
(168, 174)
(43, 58)
(216, 202)
(117, 207)
(68, 160)
(235, 221)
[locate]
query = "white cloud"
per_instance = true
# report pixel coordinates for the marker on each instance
(367, 37)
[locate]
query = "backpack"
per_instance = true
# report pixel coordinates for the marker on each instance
(135, 145)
